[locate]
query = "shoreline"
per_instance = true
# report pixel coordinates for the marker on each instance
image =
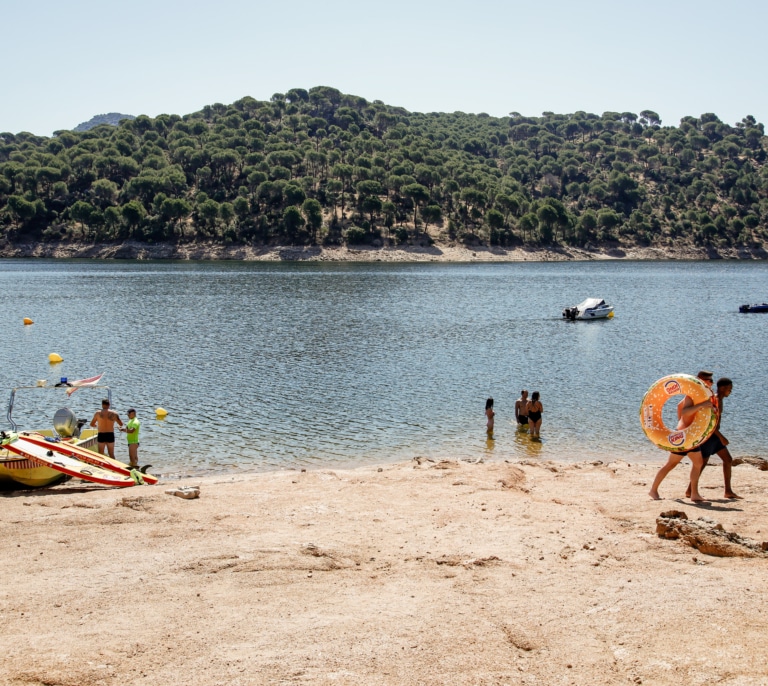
(136, 250)
(431, 571)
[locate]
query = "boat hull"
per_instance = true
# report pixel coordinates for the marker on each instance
(16, 470)
(762, 307)
(595, 314)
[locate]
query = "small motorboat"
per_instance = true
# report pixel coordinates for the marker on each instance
(591, 308)
(31, 473)
(760, 307)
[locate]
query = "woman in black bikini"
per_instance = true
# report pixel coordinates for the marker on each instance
(535, 408)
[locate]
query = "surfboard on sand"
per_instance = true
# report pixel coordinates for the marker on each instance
(65, 464)
(85, 455)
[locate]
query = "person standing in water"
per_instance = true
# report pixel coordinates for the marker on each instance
(489, 414)
(686, 410)
(521, 410)
(534, 410)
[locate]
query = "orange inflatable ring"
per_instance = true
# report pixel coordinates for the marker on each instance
(700, 429)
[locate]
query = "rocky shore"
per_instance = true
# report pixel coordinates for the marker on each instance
(428, 572)
(135, 250)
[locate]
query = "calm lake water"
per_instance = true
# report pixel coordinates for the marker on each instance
(265, 366)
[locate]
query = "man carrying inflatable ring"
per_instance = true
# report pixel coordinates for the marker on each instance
(686, 413)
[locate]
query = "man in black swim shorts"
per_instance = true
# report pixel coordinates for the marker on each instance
(105, 420)
(716, 443)
(521, 408)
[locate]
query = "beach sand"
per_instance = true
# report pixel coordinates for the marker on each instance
(431, 573)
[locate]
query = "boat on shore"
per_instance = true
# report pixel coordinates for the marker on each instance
(18, 469)
(758, 307)
(591, 308)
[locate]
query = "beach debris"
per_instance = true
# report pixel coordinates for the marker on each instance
(445, 464)
(186, 492)
(459, 561)
(514, 478)
(520, 638)
(133, 503)
(330, 560)
(759, 462)
(418, 460)
(707, 536)
(547, 464)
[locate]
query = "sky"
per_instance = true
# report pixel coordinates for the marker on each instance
(66, 61)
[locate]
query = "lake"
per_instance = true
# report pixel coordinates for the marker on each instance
(275, 365)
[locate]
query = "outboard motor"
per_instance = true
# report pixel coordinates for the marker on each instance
(570, 313)
(66, 424)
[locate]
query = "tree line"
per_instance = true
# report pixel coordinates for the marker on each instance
(321, 167)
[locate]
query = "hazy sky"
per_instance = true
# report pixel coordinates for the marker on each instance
(67, 61)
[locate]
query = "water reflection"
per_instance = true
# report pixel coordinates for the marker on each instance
(274, 365)
(525, 446)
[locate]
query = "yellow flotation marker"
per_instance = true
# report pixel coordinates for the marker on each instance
(160, 412)
(28, 321)
(610, 315)
(53, 358)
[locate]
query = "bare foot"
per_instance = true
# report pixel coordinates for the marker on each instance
(655, 495)
(733, 496)
(699, 499)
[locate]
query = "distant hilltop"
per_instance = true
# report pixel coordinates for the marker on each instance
(113, 119)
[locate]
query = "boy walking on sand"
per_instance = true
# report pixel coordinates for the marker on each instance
(716, 443)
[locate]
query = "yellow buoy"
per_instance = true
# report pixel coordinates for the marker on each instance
(28, 321)
(55, 357)
(160, 412)
(610, 315)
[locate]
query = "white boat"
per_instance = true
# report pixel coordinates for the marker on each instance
(591, 308)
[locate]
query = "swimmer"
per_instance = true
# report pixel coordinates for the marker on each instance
(521, 410)
(490, 414)
(534, 408)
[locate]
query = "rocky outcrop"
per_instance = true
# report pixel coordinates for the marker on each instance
(755, 461)
(113, 119)
(707, 536)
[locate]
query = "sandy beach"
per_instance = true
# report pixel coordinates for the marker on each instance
(426, 572)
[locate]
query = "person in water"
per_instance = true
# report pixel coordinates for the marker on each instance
(533, 411)
(716, 443)
(490, 414)
(105, 420)
(686, 411)
(521, 410)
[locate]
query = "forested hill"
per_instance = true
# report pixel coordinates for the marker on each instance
(319, 166)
